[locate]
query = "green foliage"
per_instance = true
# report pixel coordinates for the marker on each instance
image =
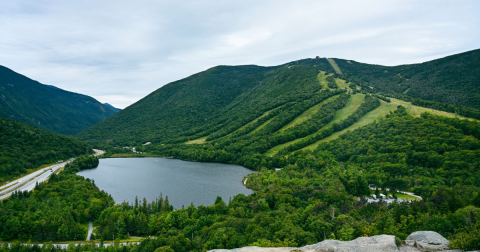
(82, 163)
(405, 152)
(331, 82)
(26, 147)
(47, 107)
(54, 211)
(220, 99)
(450, 80)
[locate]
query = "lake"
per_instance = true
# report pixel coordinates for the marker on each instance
(183, 182)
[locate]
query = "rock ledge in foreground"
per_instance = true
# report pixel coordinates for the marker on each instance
(427, 241)
(379, 243)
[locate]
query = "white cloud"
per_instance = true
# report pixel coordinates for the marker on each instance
(120, 51)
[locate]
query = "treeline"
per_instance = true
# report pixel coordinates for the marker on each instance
(270, 136)
(122, 220)
(460, 110)
(368, 105)
(296, 206)
(423, 152)
(195, 106)
(82, 163)
(26, 147)
(331, 82)
(55, 211)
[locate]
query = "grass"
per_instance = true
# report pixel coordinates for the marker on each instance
(352, 104)
(256, 119)
(342, 84)
(406, 196)
(399, 195)
(307, 114)
(380, 112)
(277, 148)
(262, 125)
(322, 79)
(417, 110)
(201, 140)
(335, 66)
(370, 117)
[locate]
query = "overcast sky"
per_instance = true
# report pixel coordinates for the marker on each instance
(120, 51)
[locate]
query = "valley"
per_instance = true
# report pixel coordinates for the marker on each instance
(319, 133)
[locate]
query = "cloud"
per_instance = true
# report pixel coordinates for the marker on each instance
(120, 51)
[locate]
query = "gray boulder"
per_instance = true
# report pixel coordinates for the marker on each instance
(427, 241)
(380, 243)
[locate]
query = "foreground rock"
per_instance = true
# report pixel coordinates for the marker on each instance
(427, 241)
(380, 243)
(419, 241)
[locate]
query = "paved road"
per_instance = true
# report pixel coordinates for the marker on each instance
(28, 182)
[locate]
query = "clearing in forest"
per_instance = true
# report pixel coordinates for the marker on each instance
(370, 117)
(380, 112)
(352, 105)
(262, 125)
(417, 110)
(335, 66)
(322, 79)
(255, 120)
(201, 140)
(308, 114)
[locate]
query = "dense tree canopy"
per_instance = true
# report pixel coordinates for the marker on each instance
(25, 147)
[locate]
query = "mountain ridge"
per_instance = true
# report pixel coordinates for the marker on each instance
(200, 104)
(46, 106)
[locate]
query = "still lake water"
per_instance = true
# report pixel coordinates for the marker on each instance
(182, 181)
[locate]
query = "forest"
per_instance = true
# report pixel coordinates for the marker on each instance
(215, 102)
(26, 147)
(55, 211)
(291, 123)
(48, 107)
(320, 194)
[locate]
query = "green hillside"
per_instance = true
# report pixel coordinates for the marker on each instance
(47, 107)
(223, 99)
(452, 80)
(25, 147)
(333, 135)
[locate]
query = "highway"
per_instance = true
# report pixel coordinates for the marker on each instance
(28, 182)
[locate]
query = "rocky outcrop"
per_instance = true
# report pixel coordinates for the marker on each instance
(427, 241)
(380, 243)
(416, 242)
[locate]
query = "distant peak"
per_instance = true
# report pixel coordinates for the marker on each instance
(112, 107)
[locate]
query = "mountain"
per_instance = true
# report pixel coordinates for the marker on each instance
(112, 107)
(453, 79)
(225, 98)
(27, 147)
(47, 107)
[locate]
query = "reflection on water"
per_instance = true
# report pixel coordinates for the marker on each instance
(182, 181)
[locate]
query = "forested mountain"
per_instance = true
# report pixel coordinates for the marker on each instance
(112, 107)
(207, 100)
(57, 210)
(333, 128)
(224, 98)
(47, 107)
(454, 79)
(25, 147)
